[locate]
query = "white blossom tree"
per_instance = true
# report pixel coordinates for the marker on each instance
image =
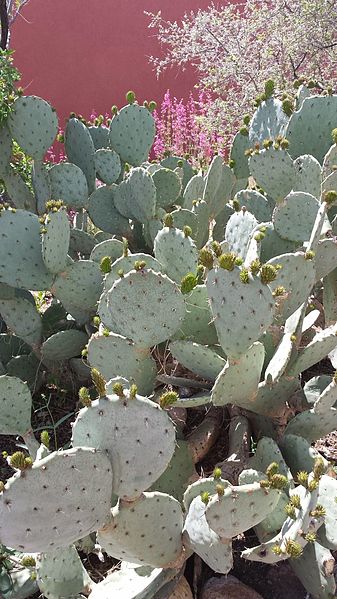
(9, 10)
(236, 48)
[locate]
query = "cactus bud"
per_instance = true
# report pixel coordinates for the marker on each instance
(284, 143)
(188, 283)
(290, 511)
(19, 461)
(231, 163)
(217, 473)
(269, 88)
(268, 273)
(267, 143)
(295, 500)
(279, 291)
(84, 397)
(227, 261)
(28, 561)
(244, 276)
(220, 489)
(45, 438)
(98, 381)
(309, 255)
(334, 135)
(106, 332)
(255, 267)
(313, 485)
(293, 549)
(2, 486)
(216, 247)
(278, 481)
(272, 469)
(130, 97)
(105, 265)
(311, 537)
(238, 261)
(265, 484)
(96, 321)
(205, 497)
(152, 106)
(244, 131)
(200, 274)
(302, 478)
(187, 231)
(180, 163)
(236, 205)
(120, 273)
(246, 120)
(206, 258)
(139, 265)
(287, 107)
(125, 247)
(114, 110)
(168, 220)
(118, 389)
(168, 399)
(319, 468)
(277, 550)
(330, 197)
(133, 391)
(318, 512)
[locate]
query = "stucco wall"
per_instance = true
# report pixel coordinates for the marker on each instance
(82, 54)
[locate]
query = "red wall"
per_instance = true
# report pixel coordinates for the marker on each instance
(79, 57)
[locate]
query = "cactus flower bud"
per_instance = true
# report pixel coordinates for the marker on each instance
(295, 500)
(168, 220)
(187, 231)
(118, 389)
(206, 258)
(130, 97)
(272, 469)
(96, 321)
(269, 88)
(287, 107)
(20, 461)
(318, 512)
(293, 549)
(28, 561)
(244, 131)
(205, 497)
(217, 473)
(133, 391)
(302, 478)
(319, 468)
(236, 205)
(246, 120)
(168, 399)
(313, 485)
(278, 481)
(114, 110)
(216, 247)
(139, 265)
(277, 550)
(220, 489)
(330, 197)
(255, 267)
(311, 537)
(268, 273)
(105, 265)
(188, 283)
(227, 261)
(84, 397)
(2, 486)
(152, 106)
(244, 276)
(98, 381)
(45, 438)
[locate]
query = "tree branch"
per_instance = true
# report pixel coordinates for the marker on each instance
(4, 24)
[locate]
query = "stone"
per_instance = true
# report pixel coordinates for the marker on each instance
(228, 587)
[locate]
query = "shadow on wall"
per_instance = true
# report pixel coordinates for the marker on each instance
(81, 59)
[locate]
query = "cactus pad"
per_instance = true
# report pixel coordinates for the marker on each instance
(22, 317)
(168, 186)
(68, 183)
(274, 171)
(308, 175)
(109, 247)
(295, 216)
(132, 133)
(269, 121)
(5, 150)
(79, 285)
(176, 252)
(104, 214)
(16, 405)
(80, 150)
(60, 573)
(108, 165)
(33, 124)
(39, 520)
(64, 345)
(55, 241)
(238, 231)
(200, 359)
(133, 531)
(135, 197)
(147, 307)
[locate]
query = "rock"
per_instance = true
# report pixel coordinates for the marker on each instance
(182, 591)
(228, 587)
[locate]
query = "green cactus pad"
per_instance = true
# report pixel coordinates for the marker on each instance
(132, 133)
(219, 181)
(274, 171)
(133, 531)
(299, 454)
(68, 183)
(168, 186)
(55, 241)
(267, 452)
(128, 430)
(297, 276)
(199, 399)
(41, 185)
(80, 150)
(269, 526)
(221, 222)
(330, 184)
(100, 136)
(319, 347)
(318, 421)
(309, 129)
(147, 307)
(117, 356)
(295, 216)
(110, 247)
(325, 258)
(22, 265)
(197, 324)
(176, 252)
(314, 568)
(135, 197)
(241, 312)
(23, 319)
(273, 245)
(271, 399)
(79, 285)
(238, 381)
(178, 474)
(19, 191)
(268, 122)
(239, 146)
(280, 359)
(33, 124)
(172, 163)
(41, 520)
(141, 582)
(81, 243)
(199, 537)
(182, 217)
(5, 150)
(329, 162)
(194, 191)
(238, 231)
(108, 165)
(127, 263)
(26, 368)
(240, 508)
(16, 405)
(327, 493)
(256, 203)
(104, 214)
(201, 211)
(11, 346)
(200, 486)
(60, 573)
(64, 345)
(308, 175)
(200, 359)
